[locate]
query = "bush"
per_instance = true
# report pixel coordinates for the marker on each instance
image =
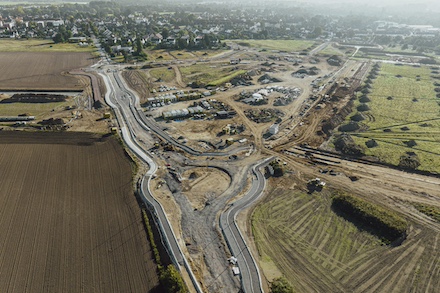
(171, 279)
(281, 285)
(409, 161)
(386, 224)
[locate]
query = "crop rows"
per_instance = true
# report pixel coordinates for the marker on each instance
(68, 217)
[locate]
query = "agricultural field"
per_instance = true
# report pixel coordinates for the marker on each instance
(41, 70)
(401, 113)
(37, 45)
(299, 236)
(279, 45)
(69, 219)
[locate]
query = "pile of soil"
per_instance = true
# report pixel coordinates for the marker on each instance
(371, 143)
(357, 117)
(35, 98)
(334, 60)
(346, 145)
(349, 127)
(266, 78)
(243, 79)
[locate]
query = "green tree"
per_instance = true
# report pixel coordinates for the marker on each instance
(138, 46)
(281, 285)
(172, 280)
(58, 38)
(165, 33)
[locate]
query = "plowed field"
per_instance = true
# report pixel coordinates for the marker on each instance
(41, 70)
(68, 218)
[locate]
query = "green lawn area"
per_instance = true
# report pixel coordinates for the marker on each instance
(34, 109)
(330, 50)
(164, 73)
(281, 45)
(208, 73)
(402, 109)
(207, 53)
(227, 78)
(182, 54)
(158, 55)
(38, 45)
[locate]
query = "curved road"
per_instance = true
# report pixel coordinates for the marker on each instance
(171, 243)
(249, 272)
(130, 116)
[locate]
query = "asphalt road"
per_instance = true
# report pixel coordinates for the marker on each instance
(250, 274)
(122, 110)
(133, 122)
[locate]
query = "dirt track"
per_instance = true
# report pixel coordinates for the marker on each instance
(68, 217)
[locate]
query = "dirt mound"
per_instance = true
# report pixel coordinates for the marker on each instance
(328, 126)
(334, 60)
(363, 108)
(349, 127)
(35, 98)
(346, 145)
(409, 161)
(243, 79)
(357, 117)
(364, 99)
(266, 78)
(371, 143)
(52, 121)
(410, 143)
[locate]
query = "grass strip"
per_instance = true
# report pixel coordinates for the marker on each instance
(226, 78)
(431, 211)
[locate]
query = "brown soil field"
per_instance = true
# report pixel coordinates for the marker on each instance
(201, 185)
(41, 70)
(68, 217)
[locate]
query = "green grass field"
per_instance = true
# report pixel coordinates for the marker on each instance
(227, 78)
(407, 109)
(208, 73)
(281, 45)
(158, 55)
(34, 109)
(163, 73)
(182, 55)
(38, 45)
(330, 50)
